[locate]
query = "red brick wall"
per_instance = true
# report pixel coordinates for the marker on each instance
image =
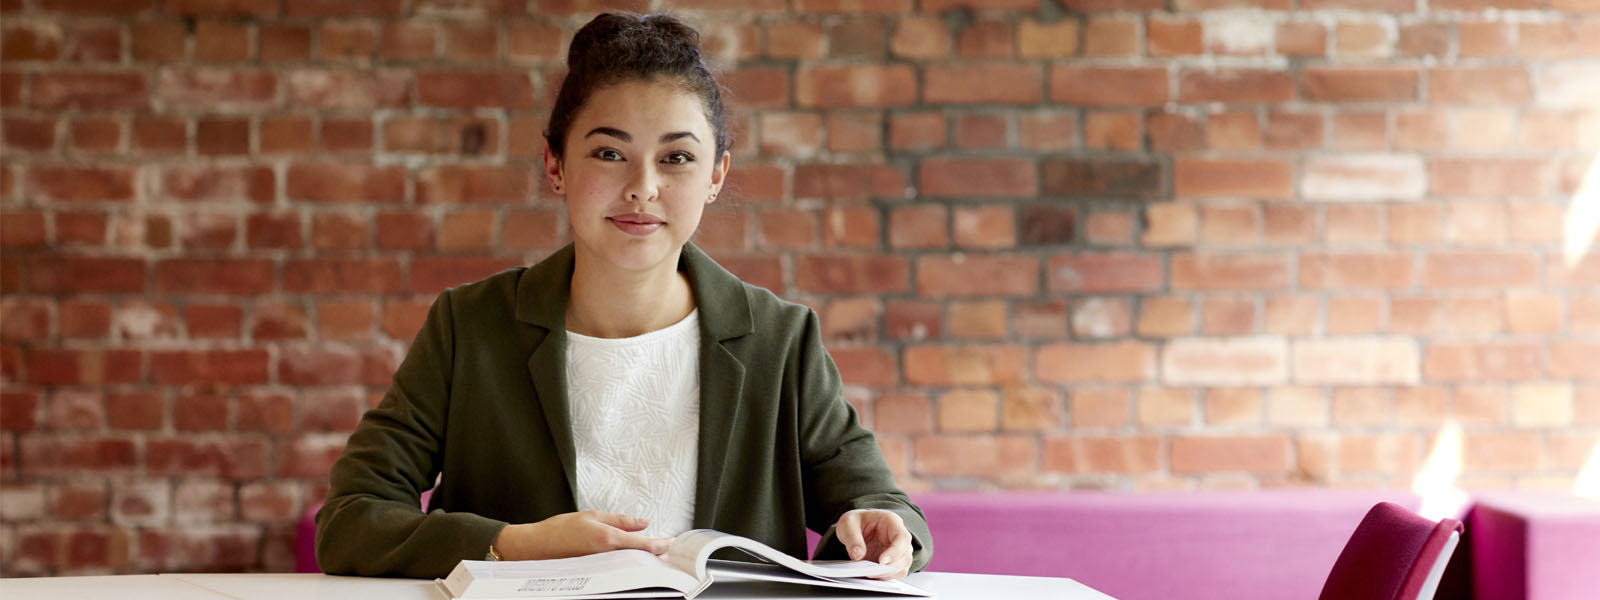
(1127, 244)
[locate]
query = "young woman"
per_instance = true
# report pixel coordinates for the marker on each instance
(627, 388)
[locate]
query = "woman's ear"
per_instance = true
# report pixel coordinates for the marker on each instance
(552, 169)
(719, 174)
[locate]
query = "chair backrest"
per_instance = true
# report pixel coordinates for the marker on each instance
(1394, 554)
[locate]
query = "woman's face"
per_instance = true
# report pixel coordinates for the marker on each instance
(639, 169)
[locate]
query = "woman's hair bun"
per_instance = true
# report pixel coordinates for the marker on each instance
(634, 40)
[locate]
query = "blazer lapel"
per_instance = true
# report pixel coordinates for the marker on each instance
(724, 316)
(542, 295)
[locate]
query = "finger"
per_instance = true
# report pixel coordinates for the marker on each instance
(849, 533)
(623, 522)
(900, 545)
(633, 541)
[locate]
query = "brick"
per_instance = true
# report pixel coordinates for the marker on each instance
(138, 320)
(336, 89)
(964, 364)
(1363, 177)
(221, 367)
(1047, 40)
(1356, 361)
(475, 89)
(462, 184)
(1112, 130)
(953, 456)
(1105, 272)
(1542, 405)
(219, 184)
(969, 411)
(1174, 132)
(1239, 130)
(1109, 228)
(1301, 39)
(980, 132)
(1157, 407)
(82, 184)
(920, 37)
(71, 274)
(1225, 361)
(1450, 315)
(1354, 315)
(1228, 315)
(213, 321)
(855, 86)
(1293, 131)
(215, 276)
(1570, 359)
(1360, 131)
(1474, 361)
(1210, 454)
(1359, 84)
(1464, 269)
(1047, 130)
(1235, 86)
(1232, 407)
(1251, 178)
(986, 39)
(983, 84)
(1112, 36)
(70, 454)
(95, 135)
(216, 88)
(917, 131)
(1030, 409)
(974, 275)
(471, 230)
(987, 227)
(1229, 224)
(914, 321)
(993, 177)
(1210, 271)
(852, 274)
(1355, 271)
(855, 132)
(1491, 178)
(1109, 86)
(346, 183)
(1039, 225)
(1170, 224)
(1128, 360)
(789, 228)
(97, 90)
(332, 276)
(1515, 451)
(1094, 454)
(1564, 84)
(412, 231)
(1101, 318)
(1479, 85)
(470, 41)
(1164, 316)
(848, 181)
(1102, 178)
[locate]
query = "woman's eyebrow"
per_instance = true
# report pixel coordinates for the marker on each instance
(624, 136)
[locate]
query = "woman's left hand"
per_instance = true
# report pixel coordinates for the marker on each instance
(876, 534)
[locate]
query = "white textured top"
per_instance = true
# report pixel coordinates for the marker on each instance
(636, 423)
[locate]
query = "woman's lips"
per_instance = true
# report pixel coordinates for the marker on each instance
(636, 223)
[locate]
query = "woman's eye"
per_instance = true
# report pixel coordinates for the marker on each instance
(607, 154)
(678, 158)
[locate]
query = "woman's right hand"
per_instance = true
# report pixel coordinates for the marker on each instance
(576, 534)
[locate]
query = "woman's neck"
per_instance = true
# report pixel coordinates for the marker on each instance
(608, 302)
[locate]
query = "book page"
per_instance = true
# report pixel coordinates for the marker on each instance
(691, 549)
(722, 570)
(614, 574)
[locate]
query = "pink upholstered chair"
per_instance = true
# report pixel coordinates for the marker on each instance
(1394, 554)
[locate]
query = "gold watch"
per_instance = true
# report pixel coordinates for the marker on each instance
(492, 554)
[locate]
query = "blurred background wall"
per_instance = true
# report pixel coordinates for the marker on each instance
(1064, 244)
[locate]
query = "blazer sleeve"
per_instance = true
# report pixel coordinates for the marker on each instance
(845, 469)
(372, 523)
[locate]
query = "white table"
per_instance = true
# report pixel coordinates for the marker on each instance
(298, 586)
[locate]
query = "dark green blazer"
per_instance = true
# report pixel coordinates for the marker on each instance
(481, 397)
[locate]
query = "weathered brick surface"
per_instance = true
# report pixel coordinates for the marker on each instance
(1150, 244)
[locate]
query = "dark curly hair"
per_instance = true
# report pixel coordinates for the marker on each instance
(614, 48)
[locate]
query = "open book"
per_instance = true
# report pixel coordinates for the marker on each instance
(685, 570)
